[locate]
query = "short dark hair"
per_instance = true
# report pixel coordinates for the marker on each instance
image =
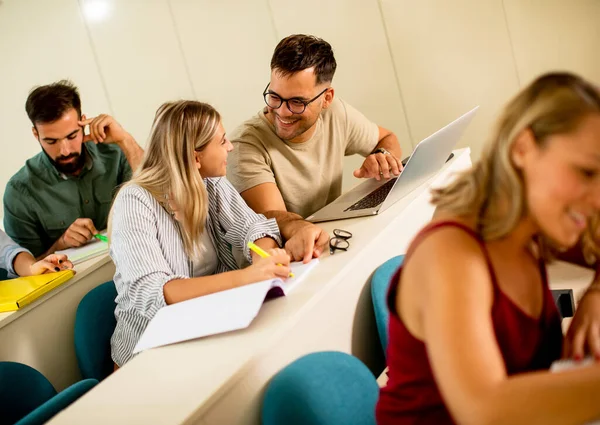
(48, 103)
(298, 52)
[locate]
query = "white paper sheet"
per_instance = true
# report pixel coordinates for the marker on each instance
(215, 313)
(208, 315)
(300, 271)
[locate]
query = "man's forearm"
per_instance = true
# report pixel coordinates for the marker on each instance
(391, 144)
(58, 245)
(133, 152)
(288, 222)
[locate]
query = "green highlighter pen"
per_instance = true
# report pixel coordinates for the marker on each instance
(101, 237)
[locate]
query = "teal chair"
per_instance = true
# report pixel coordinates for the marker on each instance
(380, 283)
(325, 388)
(28, 398)
(94, 325)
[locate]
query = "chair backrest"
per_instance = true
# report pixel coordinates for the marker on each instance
(380, 283)
(94, 325)
(22, 389)
(62, 400)
(325, 388)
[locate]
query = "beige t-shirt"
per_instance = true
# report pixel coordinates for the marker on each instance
(308, 174)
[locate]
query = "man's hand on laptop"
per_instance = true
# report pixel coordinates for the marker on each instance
(308, 242)
(379, 165)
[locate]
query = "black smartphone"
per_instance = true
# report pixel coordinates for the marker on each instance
(405, 160)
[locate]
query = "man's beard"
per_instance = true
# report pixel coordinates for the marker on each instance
(74, 167)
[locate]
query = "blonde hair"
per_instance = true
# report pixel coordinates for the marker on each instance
(493, 190)
(168, 170)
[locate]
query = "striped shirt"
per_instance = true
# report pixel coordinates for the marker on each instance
(148, 252)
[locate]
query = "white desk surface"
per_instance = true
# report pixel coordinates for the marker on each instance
(81, 271)
(180, 383)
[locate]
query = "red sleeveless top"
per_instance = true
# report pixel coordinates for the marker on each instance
(527, 344)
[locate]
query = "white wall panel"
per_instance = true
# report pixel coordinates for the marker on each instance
(227, 45)
(550, 35)
(140, 58)
(450, 57)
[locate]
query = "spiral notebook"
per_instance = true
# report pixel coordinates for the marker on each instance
(217, 313)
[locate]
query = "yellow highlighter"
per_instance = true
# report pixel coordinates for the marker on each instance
(261, 252)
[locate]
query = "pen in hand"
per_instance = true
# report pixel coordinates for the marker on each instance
(261, 252)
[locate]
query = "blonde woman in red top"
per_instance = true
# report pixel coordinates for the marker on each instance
(473, 326)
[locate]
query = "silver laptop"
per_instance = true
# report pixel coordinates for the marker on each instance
(373, 197)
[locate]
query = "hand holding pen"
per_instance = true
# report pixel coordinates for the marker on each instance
(272, 264)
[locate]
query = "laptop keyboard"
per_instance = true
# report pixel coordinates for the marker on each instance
(374, 198)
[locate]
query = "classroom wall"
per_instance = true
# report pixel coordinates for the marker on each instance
(411, 66)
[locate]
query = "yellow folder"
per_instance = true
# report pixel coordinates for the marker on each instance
(16, 293)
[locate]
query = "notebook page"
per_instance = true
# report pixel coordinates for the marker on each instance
(208, 315)
(300, 271)
(92, 249)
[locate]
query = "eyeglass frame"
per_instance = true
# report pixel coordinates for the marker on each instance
(286, 101)
(338, 236)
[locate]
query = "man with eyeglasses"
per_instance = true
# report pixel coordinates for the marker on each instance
(288, 159)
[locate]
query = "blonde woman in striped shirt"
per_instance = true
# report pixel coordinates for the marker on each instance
(179, 230)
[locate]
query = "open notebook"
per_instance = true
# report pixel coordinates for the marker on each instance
(92, 249)
(568, 364)
(216, 313)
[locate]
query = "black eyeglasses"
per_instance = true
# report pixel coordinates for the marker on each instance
(339, 241)
(295, 105)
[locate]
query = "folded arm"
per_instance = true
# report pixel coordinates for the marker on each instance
(304, 239)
